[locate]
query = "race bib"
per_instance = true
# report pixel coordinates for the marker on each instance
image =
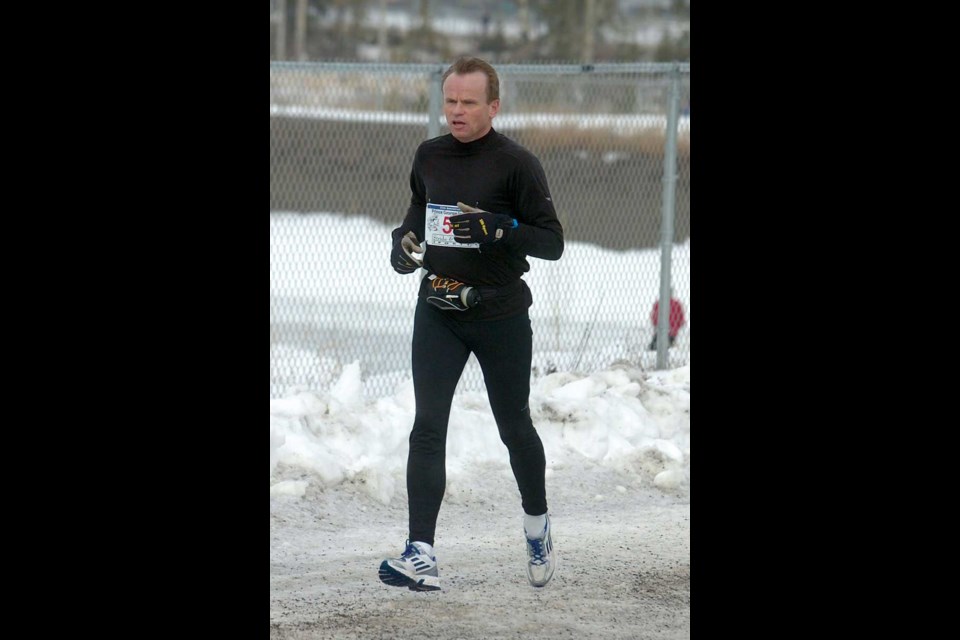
(438, 232)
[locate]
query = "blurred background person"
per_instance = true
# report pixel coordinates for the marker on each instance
(676, 320)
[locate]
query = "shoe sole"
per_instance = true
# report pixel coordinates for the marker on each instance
(390, 576)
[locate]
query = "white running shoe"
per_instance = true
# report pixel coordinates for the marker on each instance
(414, 569)
(542, 560)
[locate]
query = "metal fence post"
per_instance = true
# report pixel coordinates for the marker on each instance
(666, 228)
(436, 100)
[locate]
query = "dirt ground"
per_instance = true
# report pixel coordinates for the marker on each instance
(623, 563)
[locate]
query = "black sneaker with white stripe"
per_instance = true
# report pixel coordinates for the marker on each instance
(414, 569)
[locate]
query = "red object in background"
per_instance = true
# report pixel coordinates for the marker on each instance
(676, 316)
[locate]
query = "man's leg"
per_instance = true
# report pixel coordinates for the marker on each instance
(439, 356)
(504, 351)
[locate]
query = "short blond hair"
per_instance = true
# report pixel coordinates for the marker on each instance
(468, 64)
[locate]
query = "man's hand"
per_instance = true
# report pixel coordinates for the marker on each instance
(402, 259)
(477, 225)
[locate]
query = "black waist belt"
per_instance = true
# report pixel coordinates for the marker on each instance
(448, 294)
(492, 292)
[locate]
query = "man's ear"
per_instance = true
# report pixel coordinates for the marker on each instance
(494, 107)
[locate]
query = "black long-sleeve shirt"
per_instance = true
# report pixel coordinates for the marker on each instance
(495, 174)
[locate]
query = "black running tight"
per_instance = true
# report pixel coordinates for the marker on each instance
(441, 346)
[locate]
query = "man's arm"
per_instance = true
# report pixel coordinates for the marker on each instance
(416, 211)
(539, 233)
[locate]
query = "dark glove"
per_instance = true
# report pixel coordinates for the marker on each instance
(402, 258)
(477, 225)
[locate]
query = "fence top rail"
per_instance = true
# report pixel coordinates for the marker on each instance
(506, 68)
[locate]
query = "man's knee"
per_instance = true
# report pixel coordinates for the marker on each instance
(518, 433)
(427, 438)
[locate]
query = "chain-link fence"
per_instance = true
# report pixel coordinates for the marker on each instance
(342, 140)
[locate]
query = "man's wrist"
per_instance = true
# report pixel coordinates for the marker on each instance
(505, 225)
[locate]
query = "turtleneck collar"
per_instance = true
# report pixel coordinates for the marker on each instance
(475, 145)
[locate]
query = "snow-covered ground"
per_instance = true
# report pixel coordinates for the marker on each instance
(334, 300)
(618, 479)
(616, 437)
(621, 124)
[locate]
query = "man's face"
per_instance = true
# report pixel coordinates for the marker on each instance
(465, 106)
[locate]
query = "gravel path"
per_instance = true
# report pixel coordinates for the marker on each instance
(623, 571)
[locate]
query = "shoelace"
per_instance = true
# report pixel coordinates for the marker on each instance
(410, 551)
(538, 550)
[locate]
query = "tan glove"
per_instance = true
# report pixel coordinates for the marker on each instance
(410, 246)
(465, 208)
